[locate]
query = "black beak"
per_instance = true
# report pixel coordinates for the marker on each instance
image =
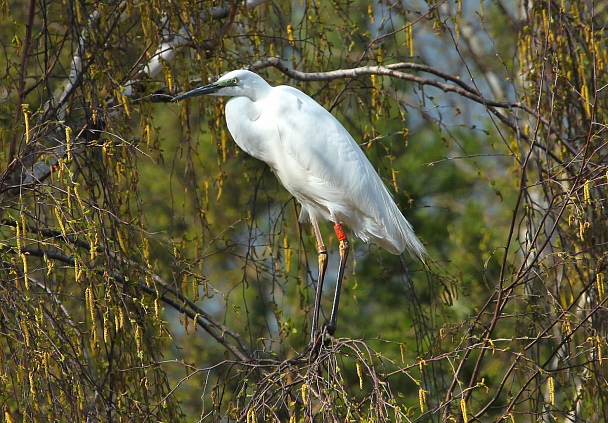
(205, 89)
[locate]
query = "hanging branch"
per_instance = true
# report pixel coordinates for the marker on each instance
(393, 70)
(180, 303)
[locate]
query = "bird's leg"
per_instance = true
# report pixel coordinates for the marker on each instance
(344, 248)
(322, 258)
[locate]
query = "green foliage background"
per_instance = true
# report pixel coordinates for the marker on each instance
(156, 272)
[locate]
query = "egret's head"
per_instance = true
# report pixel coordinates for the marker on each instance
(233, 84)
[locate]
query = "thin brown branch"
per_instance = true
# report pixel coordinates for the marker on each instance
(181, 303)
(393, 70)
(25, 55)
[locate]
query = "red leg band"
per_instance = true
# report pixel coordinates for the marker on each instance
(339, 230)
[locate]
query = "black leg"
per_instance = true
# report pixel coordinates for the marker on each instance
(344, 248)
(322, 257)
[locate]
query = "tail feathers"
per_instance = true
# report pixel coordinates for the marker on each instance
(396, 236)
(408, 241)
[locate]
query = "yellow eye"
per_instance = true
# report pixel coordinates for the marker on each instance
(235, 81)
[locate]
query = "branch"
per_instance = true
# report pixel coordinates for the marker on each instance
(27, 172)
(76, 69)
(22, 77)
(196, 314)
(165, 52)
(23, 170)
(393, 71)
(170, 42)
(181, 303)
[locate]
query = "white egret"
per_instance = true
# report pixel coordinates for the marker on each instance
(319, 163)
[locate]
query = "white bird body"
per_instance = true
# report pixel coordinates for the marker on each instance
(319, 163)
(326, 171)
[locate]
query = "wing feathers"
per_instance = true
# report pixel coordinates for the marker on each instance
(318, 161)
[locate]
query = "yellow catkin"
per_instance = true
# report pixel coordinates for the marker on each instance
(422, 399)
(206, 184)
(8, 418)
(94, 338)
(18, 237)
(93, 246)
(463, 408)
(145, 248)
(169, 79)
(40, 316)
(599, 284)
(106, 329)
(185, 323)
(394, 179)
(138, 338)
(119, 319)
(121, 241)
(360, 374)
(32, 380)
(402, 350)
(68, 142)
(195, 321)
(26, 332)
(89, 302)
(409, 36)
(220, 189)
(26, 121)
(145, 18)
(251, 417)
(290, 33)
(26, 277)
(79, 198)
(77, 271)
(421, 364)
(148, 135)
(125, 102)
(373, 80)
(551, 383)
(305, 394)
(585, 95)
(46, 358)
(60, 220)
(69, 197)
(79, 11)
(21, 229)
(223, 139)
(287, 254)
(587, 192)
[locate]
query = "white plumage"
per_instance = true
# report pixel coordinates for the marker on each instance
(315, 159)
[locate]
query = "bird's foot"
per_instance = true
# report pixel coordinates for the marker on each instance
(328, 328)
(312, 349)
(307, 349)
(327, 333)
(318, 340)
